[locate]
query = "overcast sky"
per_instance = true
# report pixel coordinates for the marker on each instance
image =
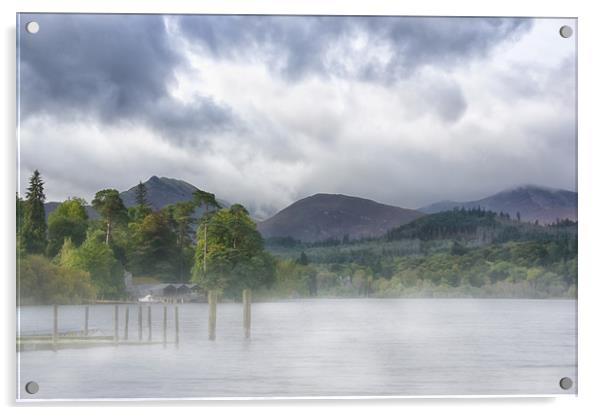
(267, 110)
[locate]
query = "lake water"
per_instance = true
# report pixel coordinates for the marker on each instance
(322, 347)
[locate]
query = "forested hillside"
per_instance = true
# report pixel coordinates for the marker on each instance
(455, 253)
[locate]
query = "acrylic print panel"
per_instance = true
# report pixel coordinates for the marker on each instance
(295, 206)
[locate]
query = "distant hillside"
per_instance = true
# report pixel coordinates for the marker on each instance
(160, 191)
(330, 216)
(478, 226)
(533, 202)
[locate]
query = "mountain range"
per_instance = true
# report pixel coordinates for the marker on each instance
(532, 202)
(335, 216)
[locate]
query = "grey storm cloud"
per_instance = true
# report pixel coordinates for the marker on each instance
(113, 68)
(297, 45)
(267, 109)
(120, 67)
(447, 100)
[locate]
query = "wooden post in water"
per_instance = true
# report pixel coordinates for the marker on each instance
(86, 319)
(55, 325)
(246, 304)
(177, 323)
(127, 323)
(164, 325)
(116, 324)
(150, 325)
(139, 323)
(212, 302)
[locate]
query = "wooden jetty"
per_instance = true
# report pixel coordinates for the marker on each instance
(85, 338)
(30, 343)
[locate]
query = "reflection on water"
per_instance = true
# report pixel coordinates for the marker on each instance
(315, 348)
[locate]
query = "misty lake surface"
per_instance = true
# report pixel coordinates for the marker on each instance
(321, 347)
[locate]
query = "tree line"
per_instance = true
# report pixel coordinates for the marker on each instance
(71, 257)
(462, 252)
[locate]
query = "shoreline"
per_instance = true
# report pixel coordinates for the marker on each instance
(307, 299)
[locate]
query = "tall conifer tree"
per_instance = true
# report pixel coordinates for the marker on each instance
(141, 195)
(33, 233)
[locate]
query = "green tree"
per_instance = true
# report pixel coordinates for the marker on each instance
(309, 274)
(180, 215)
(206, 200)
(137, 213)
(68, 220)
(458, 249)
(233, 257)
(97, 259)
(362, 280)
(110, 206)
(291, 279)
(33, 234)
(154, 251)
(42, 282)
(303, 260)
(140, 195)
(142, 208)
(20, 212)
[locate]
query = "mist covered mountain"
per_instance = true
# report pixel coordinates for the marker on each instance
(532, 202)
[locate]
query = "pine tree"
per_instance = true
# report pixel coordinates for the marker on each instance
(141, 195)
(33, 235)
(303, 260)
(20, 209)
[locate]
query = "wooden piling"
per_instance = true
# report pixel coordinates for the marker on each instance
(116, 324)
(55, 325)
(126, 324)
(86, 319)
(150, 325)
(212, 303)
(246, 302)
(177, 324)
(139, 323)
(164, 325)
